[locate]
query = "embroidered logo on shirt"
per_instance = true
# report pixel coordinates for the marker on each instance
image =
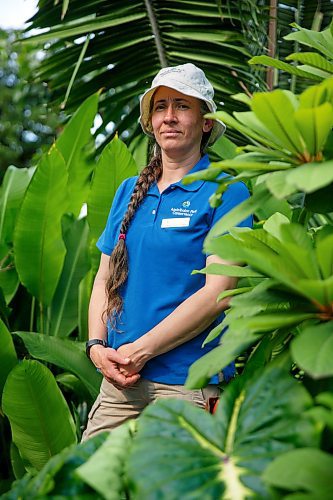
(186, 204)
(183, 211)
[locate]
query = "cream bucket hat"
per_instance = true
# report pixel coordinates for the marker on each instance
(189, 80)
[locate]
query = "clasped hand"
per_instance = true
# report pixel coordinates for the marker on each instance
(119, 367)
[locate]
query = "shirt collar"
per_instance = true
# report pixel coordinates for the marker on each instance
(202, 164)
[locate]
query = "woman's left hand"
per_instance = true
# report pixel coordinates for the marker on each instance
(137, 357)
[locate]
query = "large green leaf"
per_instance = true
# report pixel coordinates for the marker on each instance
(8, 358)
(9, 280)
(306, 471)
(58, 477)
(276, 111)
(324, 247)
(14, 185)
(278, 186)
(40, 419)
(312, 349)
(312, 59)
(83, 27)
(289, 68)
(237, 214)
(114, 165)
(314, 125)
(66, 354)
(72, 144)
(105, 470)
(319, 40)
(283, 260)
(153, 34)
(85, 288)
(261, 251)
(212, 363)
(12, 191)
(38, 245)
(317, 94)
(63, 314)
(182, 452)
(311, 176)
(223, 269)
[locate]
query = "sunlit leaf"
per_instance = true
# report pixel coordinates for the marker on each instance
(72, 143)
(40, 419)
(38, 245)
(315, 124)
(66, 354)
(63, 314)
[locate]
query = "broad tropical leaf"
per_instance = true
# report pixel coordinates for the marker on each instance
(105, 470)
(58, 476)
(73, 144)
(307, 472)
(114, 165)
(8, 358)
(157, 35)
(14, 185)
(322, 41)
(85, 288)
(220, 456)
(312, 349)
(38, 245)
(66, 354)
(12, 191)
(63, 315)
(40, 419)
(9, 280)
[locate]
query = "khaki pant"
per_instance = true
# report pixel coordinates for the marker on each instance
(113, 407)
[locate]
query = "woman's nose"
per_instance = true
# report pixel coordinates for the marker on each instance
(170, 114)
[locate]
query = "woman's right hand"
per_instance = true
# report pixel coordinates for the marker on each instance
(109, 362)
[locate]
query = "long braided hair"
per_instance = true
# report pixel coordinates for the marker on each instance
(119, 258)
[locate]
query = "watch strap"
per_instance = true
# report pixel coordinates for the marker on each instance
(92, 342)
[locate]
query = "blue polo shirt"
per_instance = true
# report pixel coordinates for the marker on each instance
(164, 243)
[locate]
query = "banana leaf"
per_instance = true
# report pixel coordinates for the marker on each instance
(8, 357)
(114, 166)
(38, 245)
(66, 354)
(63, 311)
(40, 420)
(73, 144)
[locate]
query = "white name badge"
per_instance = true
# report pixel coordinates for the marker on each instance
(176, 222)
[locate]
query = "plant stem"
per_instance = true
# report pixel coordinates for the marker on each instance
(156, 33)
(32, 314)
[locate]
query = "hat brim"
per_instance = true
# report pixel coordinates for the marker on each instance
(145, 106)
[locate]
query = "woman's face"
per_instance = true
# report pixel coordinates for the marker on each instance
(177, 121)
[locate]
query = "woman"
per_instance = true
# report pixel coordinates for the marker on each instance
(158, 313)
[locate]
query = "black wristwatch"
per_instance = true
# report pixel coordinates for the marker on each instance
(92, 342)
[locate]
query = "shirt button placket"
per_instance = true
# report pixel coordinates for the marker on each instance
(155, 210)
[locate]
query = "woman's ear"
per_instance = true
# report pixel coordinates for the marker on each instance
(207, 125)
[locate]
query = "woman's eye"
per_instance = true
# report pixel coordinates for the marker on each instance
(158, 107)
(182, 106)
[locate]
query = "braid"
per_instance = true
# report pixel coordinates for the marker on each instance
(119, 257)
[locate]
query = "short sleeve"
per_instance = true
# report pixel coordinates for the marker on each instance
(106, 241)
